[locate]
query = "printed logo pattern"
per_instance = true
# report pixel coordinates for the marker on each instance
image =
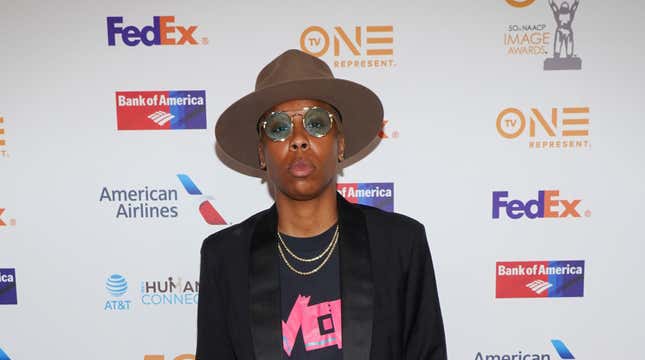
(161, 110)
(206, 208)
(380, 195)
(320, 324)
(540, 279)
(8, 292)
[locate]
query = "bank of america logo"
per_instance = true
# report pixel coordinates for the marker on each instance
(538, 286)
(161, 117)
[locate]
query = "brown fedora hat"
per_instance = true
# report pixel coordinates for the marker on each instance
(297, 75)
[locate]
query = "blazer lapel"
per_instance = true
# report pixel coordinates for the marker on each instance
(264, 289)
(357, 285)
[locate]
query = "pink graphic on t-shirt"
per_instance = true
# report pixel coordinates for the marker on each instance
(320, 323)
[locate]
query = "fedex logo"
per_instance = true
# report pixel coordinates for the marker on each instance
(5, 221)
(547, 205)
(163, 31)
(3, 140)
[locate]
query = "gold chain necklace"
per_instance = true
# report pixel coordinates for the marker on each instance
(306, 273)
(310, 259)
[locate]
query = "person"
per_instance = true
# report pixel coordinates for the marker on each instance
(313, 277)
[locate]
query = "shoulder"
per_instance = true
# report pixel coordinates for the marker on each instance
(393, 233)
(395, 239)
(233, 237)
(377, 218)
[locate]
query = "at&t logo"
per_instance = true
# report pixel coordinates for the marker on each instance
(117, 286)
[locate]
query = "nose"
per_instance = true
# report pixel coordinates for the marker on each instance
(299, 138)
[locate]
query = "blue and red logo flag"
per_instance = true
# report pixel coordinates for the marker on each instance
(8, 293)
(380, 195)
(161, 110)
(540, 279)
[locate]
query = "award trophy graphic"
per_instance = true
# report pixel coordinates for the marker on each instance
(563, 40)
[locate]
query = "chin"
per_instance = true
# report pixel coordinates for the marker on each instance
(303, 192)
(303, 189)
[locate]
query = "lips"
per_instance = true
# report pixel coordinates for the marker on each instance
(301, 168)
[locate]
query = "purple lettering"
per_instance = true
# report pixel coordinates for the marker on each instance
(112, 29)
(498, 203)
(515, 209)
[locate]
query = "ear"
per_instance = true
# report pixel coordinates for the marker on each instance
(263, 164)
(341, 147)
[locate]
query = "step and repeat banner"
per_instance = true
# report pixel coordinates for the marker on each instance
(513, 130)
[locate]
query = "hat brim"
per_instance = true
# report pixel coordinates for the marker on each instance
(360, 109)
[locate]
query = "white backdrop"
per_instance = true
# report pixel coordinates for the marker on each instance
(448, 77)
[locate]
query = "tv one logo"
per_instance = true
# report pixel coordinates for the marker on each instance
(566, 127)
(358, 47)
(547, 205)
(163, 31)
(520, 3)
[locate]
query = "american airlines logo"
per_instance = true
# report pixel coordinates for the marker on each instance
(3, 355)
(562, 350)
(538, 286)
(161, 117)
(206, 208)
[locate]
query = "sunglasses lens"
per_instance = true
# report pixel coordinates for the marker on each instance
(317, 122)
(278, 126)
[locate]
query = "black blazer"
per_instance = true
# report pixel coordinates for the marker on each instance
(389, 304)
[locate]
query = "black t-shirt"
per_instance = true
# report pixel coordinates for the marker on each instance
(311, 319)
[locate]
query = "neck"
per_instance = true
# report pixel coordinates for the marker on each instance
(307, 218)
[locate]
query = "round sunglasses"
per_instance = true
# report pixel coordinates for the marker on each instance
(278, 125)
